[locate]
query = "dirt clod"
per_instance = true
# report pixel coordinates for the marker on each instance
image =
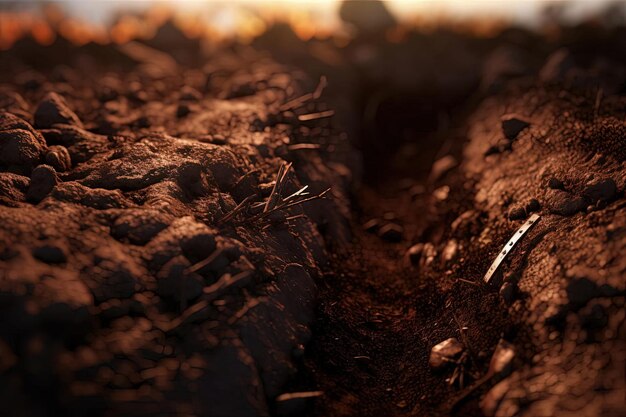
(54, 110)
(512, 125)
(42, 180)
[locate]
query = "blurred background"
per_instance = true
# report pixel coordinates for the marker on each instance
(119, 21)
(397, 69)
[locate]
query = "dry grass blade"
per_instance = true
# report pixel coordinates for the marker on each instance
(196, 267)
(315, 116)
(300, 192)
(287, 205)
(275, 195)
(226, 281)
(298, 395)
(250, 304)
(299, 101)
(320, 87)
(190, 314)
(299, 146)
(240, 207)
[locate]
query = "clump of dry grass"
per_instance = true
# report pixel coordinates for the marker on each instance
(262, 210)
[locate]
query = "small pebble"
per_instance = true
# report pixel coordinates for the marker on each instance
(441, 193)
(502, 359)
(444, 353)
(59, 158)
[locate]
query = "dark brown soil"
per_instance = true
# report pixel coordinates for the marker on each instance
(141, 275)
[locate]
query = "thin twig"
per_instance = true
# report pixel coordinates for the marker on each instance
(299, 101)
(289, 205)
(299, 146)
(242, 312)
(198, 266)
(468, 282)
(238, 208)
(226, 281)
(315, 116)
(275, 195)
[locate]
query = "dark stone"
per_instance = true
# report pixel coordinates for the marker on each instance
(42, 181)
(391, 232)
(512, 126)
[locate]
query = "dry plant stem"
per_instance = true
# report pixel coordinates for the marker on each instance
(275, 195)
(205, 262)
(241, 206)
(289, 205)
(315, 116)
(299, 101)
(225, 281)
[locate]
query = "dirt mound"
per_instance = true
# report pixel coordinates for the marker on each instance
(568, 275)
(142, 263)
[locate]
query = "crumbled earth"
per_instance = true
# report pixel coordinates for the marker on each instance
(137, 277)
(129, 285)
(546, 336)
